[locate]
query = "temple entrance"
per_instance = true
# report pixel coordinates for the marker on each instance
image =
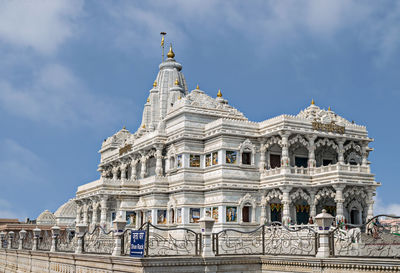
(355, 217)
(276, 212)
(302, 214)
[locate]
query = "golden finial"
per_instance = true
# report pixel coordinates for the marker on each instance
(219, 95)
(170, 53)
(312, 102)
(124, 127)
(155, 84)
(176, 81)
(148, 99)
(179, 97)
(329, 108)
(144, 126)
(197, 87)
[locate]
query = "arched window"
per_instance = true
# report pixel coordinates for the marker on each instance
(247, 152)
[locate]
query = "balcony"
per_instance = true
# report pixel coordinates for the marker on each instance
(322, 174)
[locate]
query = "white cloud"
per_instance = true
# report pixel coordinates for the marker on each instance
(58, 97)
(266, 23)
(42, 25)
(381, 208)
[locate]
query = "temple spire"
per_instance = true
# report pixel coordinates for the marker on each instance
(312, 102)
(219, 95)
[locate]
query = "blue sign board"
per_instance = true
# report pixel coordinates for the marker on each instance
(137, 243)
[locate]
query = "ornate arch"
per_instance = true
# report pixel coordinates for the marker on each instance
(357, 193)
(352, 145)
(247, 198)
(271, 141)
(300, 194)
(299, 139)
(274, 193)
(247, 146)
(355, 204)
(324, 193)
(327, 142)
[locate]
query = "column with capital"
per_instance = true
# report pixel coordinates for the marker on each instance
(114, 172)
(263, 216)
(159, 167)
(285, 160)
(143, 169)
(85, 212)
(103, 211)
(313, 205)
(94, 214)
(312, 163)
(370, 203)
(262, 163)
(286, 205)
(78, 212)
(339, 202)
(133, 169)
(123, 171)
(340, 142)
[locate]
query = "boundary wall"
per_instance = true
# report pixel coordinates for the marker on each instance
(13, 261)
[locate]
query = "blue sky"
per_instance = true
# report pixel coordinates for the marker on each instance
(74, 72)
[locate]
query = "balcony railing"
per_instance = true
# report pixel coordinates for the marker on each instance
(318, 170)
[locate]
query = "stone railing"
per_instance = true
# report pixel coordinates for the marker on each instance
(317, 170)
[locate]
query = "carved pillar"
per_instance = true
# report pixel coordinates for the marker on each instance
(85, 212)
(370, 203)
(103, 211)
(94, 214)
(364, 153)
(159, 167)
(340, 142)
(286, 205)
(144, 169)
(285, 149)
(263, 216)
(339, 202)
(133, 167)
(123, 171)
(313, 205)
(114, 172)
(312, 163)
(262, 158)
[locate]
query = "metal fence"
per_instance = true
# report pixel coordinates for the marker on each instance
(372, 239)
(171, 241)
(376, 238)
(99, 241)
(274, 239)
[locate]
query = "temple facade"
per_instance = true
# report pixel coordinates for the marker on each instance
(195, 155)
